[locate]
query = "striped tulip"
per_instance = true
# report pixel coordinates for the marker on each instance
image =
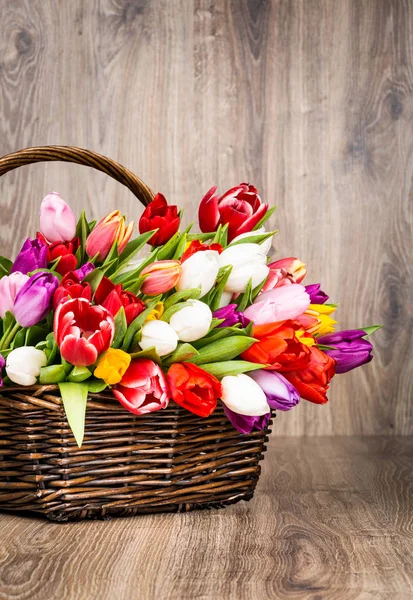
(110, 229)
(161, 276)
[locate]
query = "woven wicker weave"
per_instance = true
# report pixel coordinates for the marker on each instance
(167, 461)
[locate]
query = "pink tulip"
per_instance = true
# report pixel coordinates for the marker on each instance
(143, 388)
(10, 286)
(283, 272)
(161, 276)
(57, 221)
(280, 304)
(110, 229)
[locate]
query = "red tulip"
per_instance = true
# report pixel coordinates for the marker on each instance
(312, 382)
(278, 346)
(110, 229)
(197, 246)
(162, 216)
(82, 331)
(193, 388)
(240, 207)
(71, 287)
(65, 251)
(112, 297)
(143, 388)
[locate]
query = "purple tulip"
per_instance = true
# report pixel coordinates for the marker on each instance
(280, 393)
(317, 296)
(32, 256)
(2, 365)
(351, 350)
(231, 315)
(85, 270)
(245, 424)
(34, 301)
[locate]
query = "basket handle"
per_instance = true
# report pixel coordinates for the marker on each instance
(79, 156)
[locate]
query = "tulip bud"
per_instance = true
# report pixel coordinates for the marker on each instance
(10, 286)
(23, 365)
(193, 321)
(106, 232)
(159, 335)
(280, 393)
(57, 221)
(243, 395)
(248, 262)
(161, 276)
(199, 270)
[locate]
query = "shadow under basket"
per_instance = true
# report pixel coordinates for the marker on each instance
(167, 461)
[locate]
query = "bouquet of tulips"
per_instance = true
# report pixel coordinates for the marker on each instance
(171, 315)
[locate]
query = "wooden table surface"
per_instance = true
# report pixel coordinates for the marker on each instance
(332, 518)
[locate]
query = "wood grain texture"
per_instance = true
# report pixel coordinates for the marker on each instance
(331, 519)
(311, 100)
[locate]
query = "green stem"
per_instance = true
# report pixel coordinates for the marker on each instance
(9, 336)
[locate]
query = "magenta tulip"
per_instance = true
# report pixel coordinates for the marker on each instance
(317, 296)
(351, 350)
(34, 300)
(84, 270)
(32, 256)
(57, 221)
(231, 316)
(280, 393)
(10, 286)
(279, 304)
(244, 423)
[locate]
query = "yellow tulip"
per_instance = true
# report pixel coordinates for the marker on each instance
(112, 366)
(323, 323)
(156, 313)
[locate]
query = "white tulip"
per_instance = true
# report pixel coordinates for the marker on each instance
(193, 321)
(159, 335)
(243, 395)
(23, 365)
(199, 270)
(266, 246)
(248, 261)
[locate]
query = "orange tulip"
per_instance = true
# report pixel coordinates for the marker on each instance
(278, 346)
(110, 229)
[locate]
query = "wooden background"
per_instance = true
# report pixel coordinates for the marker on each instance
(310, 100)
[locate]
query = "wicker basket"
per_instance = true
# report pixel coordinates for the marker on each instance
(168, 461)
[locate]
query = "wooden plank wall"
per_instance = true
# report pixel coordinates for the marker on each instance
(311, 100)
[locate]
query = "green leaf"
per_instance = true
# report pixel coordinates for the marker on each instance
(215, 323)
(52, 374)
(335, 306)
(257, 238)
(265, 218)
(74, 397)
(149, 353)
(324, 347)
(18, 341)
(257, 289)
(121, 327)
(79, 374)
(231, 367)
(96, 386)
(134, 286)
(218, 334)
(216, 293)
(5, 266)
(82, 232)
(52, 345)
(180, 249)
(223, 350)
(223, 237)
(137, 324)
(245, 299)
(371, 329)
(130, 276)
(183, 352)
(132, 248)
(192, 294)
(94, 278)
(166, 251)
(217, 236)
(202, 237)
(35, 334)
